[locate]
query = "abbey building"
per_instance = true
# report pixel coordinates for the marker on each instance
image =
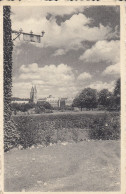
(54, 101)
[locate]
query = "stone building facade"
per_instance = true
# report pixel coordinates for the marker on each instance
(54, 101)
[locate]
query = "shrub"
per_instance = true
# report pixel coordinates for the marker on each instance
(46, 129)
(11, 135)
(105, 128)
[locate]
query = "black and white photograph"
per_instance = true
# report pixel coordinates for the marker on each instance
(62, 98)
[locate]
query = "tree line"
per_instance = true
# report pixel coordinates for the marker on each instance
(87, 99)
(90, 98)
(38, 108)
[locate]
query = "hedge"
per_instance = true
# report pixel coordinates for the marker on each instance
(46, 129)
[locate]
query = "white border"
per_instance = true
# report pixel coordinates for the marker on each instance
(123, 79)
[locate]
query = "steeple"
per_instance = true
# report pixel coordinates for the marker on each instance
(32, 89)
(35, 90)
(33, 95)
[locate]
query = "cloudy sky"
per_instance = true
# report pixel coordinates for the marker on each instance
(80, 49)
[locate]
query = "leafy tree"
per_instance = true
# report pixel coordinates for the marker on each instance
(15, 107)
(114, 100)
(25, 107)
(45, 104)
(22, 107)
(86, 99)
(111, 106)
(76, 102)
(104, 96)
(42, 107)
(39, 109)
(117, 94)
(117, 88)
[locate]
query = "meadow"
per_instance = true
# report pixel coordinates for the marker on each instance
(65, 152)
(84, 166)
(44, 129)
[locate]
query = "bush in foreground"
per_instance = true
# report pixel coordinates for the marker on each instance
(11, 135)
(105, 128)
(46, 129)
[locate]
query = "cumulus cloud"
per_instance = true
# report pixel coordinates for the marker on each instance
(84, 76)
(51, 79)
(21, 89)
(112, 70)
(50, 74)
(99, 85)
(57, 80)
(30, 76)
(29, 68)
(73, 30)
(59, 52)
(62, 34)
(39, 11)
(102, 51)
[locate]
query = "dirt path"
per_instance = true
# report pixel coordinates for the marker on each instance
(85, 166)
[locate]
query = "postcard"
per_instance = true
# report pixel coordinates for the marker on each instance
(63, 96)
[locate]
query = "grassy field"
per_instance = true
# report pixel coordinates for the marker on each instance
(65, 152)
(84, 166)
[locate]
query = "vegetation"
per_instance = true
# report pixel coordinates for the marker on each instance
(40, 107)
(90, 99)
(33, 130)
(117, 94)
(8, 48)
(11, 135)
(46, 129)
(18, 99)
(86, 99)
(22, 107)
(82, 167)
(117, 89)
(43, 107)
(104, 96)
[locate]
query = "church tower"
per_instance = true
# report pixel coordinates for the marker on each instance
(33, 95)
